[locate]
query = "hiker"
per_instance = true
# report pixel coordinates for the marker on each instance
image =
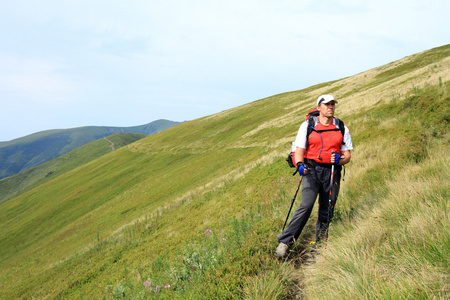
(325, 150)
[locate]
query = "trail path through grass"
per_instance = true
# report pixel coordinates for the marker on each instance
(112, 144)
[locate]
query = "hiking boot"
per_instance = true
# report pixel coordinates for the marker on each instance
(282, 250)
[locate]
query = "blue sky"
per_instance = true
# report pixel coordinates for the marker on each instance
(67, 64)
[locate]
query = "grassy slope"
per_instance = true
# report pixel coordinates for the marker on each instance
(26, 152)
(140, 213)
(29, 179)
(392, 236)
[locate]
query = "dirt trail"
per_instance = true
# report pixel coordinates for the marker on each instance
(112, 144)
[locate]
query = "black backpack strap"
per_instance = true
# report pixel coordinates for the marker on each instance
(341, 126)
(313, 120)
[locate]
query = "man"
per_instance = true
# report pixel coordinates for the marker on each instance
(315, 157)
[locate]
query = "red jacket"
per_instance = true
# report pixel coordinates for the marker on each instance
(323, 143)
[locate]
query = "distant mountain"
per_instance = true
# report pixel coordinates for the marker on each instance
(32, 150)
(17, 184)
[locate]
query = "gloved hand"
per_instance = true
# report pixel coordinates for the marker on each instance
(302, 170)
(336, 158)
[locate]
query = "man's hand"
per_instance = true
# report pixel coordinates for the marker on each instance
(341, 158)
(302, 170)
(335, 158)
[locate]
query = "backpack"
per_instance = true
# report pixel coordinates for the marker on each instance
(313, 118)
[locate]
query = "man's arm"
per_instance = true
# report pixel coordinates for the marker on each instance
(344, 157)
(299, 153)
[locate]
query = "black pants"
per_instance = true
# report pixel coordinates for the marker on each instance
(315, 182)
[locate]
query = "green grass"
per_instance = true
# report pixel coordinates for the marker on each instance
(199, 207)
(394, 246)
(24, 181)
(417, 61)
(398, 248)
(29, 151)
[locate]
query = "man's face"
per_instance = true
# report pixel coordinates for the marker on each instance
(327, 109)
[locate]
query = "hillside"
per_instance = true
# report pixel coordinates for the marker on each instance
(26, 152)
(193, 212)
(26, 180)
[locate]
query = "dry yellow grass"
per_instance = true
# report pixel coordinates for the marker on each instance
(384, 249)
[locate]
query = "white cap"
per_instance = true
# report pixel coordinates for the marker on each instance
(325, 99)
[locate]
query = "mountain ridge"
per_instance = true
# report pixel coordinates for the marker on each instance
(32, 150)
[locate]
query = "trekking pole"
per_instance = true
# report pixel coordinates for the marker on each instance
(293, 200)
(329, 201)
